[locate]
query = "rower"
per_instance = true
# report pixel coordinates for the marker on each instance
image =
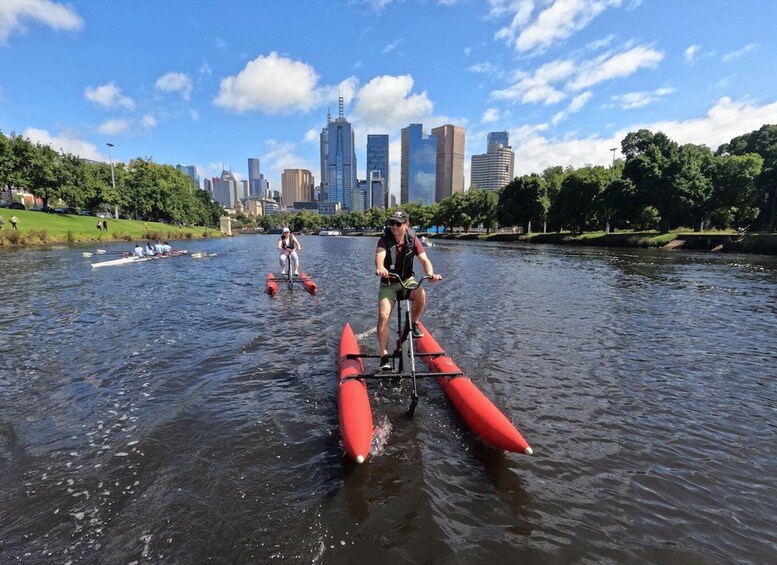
(138, 251)
(149, 249)
(395, 252)
(166, 247)
(158, 248)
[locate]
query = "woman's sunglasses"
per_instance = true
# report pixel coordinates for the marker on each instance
(393, 223)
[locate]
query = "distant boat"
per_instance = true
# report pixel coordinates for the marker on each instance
(330, 232)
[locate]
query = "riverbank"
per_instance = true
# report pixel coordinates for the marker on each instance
(726, 242)
(39, 228)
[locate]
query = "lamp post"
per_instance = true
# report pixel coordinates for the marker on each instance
(612, 176)
(113, 180)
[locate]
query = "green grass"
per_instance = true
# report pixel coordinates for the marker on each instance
(39, 228)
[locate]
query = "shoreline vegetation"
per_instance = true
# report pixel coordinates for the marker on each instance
(42, 229)
(724, 241)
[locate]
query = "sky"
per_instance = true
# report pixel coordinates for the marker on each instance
(213, 83)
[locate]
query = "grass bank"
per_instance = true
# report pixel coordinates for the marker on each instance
(724, 241)
(40, 228)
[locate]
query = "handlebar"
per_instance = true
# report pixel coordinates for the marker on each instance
(409, 286)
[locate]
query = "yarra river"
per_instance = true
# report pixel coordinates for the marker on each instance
(171, 412)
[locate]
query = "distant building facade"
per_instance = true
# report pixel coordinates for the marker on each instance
(258, 186)
(191, 172)
(450, 161)
(378, 191)
(418, 169)
(378, 162)
(296, 186)
(225, 189)
(494, 169)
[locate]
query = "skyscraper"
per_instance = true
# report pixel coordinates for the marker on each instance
(494, 169)
(378, 162)
(450, 161)
(418, 166)
(499, 138)
(191, 172)
(341, 160)
(225, 189)
(257, 184)
(296, 186)
(325, 158)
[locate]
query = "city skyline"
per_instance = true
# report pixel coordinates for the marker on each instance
(566, 79)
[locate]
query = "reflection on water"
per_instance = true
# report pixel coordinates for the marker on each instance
(170, 411)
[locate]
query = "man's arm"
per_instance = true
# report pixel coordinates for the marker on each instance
(428, 269)
(380, 258)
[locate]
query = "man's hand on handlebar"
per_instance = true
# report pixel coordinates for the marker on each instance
(382, 272)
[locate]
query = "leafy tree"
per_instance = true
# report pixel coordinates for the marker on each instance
(453, 212)
(575, 207)
(763, 142)
(736, 197)
(524, 200)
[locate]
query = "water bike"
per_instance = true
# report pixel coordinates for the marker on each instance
(356, 427)
(289, 279)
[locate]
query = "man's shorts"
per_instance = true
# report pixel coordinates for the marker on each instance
(391, 291)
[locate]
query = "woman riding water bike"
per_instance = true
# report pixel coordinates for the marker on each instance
(288, 245)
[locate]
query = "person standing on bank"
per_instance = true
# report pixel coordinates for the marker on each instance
(14, 220)
(397, 248)
(288, 245)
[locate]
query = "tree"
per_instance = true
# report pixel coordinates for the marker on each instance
(481, 206)
(763, 142)
(524, 200)
(574, 207)
(736, 197)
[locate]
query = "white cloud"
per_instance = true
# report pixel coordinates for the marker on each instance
(640, 99)
(725, 120)
(113, 127)
(280, 156)
(108, 96)
(148, 121)
(692, 52)
(538, 86)
(387, 103)
(607, 67)
(577, 103)
(392, 46)
(491, 115)
(312, 136)
(556, 22)
(278, 85)
(749, 48)
(66, 142)
(52, 14)
(175, 82)
(483, 68)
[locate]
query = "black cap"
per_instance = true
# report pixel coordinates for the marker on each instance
(399, 216)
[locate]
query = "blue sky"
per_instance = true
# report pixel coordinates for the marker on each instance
(204, 82)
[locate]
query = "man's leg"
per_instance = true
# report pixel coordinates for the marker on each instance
(384, 314)
(417, 303)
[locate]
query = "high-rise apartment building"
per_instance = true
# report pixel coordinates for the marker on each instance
(418, 175)
(494, 169)
(341, 160)
(450, 161)
(378, 162)
(296, 186)
(377, 191)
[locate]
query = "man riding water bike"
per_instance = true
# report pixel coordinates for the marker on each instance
(397, 248)
(289, 245)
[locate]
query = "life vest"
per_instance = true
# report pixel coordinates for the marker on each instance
(291, 245)
(400, 262)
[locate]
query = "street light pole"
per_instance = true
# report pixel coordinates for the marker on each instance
(612, 168)
(113, 180)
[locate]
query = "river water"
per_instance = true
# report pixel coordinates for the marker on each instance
(171, 412)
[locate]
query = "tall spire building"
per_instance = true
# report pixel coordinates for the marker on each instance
(340, 178)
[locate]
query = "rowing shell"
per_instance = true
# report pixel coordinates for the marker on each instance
(352, 399)
(475, 408)
(134, 259)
